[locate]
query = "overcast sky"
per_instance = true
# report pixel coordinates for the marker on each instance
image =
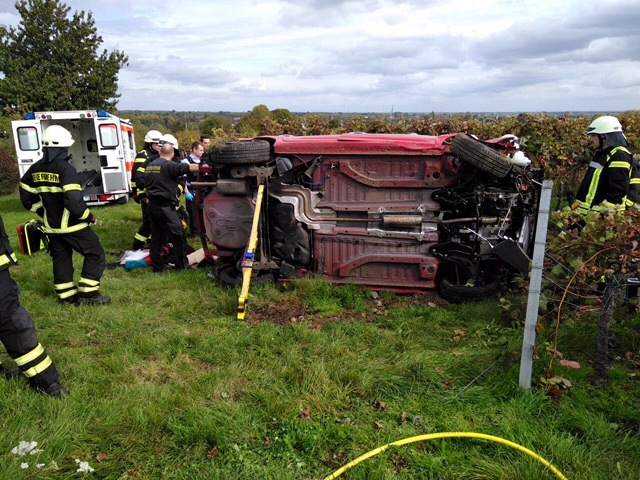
(372, 55)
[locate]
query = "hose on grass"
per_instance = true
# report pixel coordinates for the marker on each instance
(434, 436)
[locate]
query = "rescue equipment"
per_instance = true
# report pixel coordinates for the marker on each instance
(31, 237)
(249, 254)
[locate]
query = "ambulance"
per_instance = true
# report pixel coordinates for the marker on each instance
(103, 152)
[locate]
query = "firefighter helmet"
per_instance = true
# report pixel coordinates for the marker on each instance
(609, 130)
(152, 136)
(168, 138)
(604, 124)
(57, 136)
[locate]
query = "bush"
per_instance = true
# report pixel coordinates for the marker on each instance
(9, 173)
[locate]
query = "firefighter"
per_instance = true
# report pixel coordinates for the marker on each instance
(149, 152)
(633, 197)
(18, 333)
(51, 188)
(163, 180)
(608, 177)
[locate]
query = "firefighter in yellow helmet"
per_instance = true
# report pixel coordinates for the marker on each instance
(607, 180)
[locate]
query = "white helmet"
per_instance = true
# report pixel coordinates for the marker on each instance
(152, 136)
(605, 124)
(168, 138)
(57, 136)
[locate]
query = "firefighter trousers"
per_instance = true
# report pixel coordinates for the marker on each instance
(143, 233)
(61, 248)
(166, 228)
(18, 335)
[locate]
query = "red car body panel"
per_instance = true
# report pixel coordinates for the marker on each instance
(378, 210)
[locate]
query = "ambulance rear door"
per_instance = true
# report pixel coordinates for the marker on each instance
(111, 152)
(27, 138)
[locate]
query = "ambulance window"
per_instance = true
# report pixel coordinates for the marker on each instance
(28, 138)
(132, 144)
(109, 135)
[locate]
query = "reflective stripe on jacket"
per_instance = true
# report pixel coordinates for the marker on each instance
(606, 181)
(634, 184)
(52, 190)
(7, 257)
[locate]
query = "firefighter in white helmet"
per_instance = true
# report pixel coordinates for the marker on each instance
(149, 152)
(163, 180)
(51, 188)
(606, 182)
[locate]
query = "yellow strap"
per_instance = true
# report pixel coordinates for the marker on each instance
(247, 261)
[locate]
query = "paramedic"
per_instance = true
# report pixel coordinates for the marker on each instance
(163, 180)
(607, 179)
(18, 333)
(149, 152)
(51, 188)
(197, 150)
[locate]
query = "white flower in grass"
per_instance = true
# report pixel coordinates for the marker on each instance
(24, 448)
(84, 467)
(40, 465)
(24, 465)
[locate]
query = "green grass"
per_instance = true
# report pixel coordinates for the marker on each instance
(166, 383)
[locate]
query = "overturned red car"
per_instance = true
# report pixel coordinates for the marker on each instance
(400, 212)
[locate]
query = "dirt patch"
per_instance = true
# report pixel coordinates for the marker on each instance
(281, 313)
(293, 310)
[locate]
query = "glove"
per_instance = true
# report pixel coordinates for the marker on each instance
(136, 198)
(204, 168)
(92, 219)
(189, 196)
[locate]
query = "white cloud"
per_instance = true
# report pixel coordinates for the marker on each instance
(367, 55)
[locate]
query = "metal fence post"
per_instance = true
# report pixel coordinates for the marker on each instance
(535, 281)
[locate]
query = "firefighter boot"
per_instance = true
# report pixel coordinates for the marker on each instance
(94, 300)
(10, 373)
(72, 300)
(53, 389)
(56, 390)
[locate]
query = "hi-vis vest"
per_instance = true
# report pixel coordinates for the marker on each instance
(634, 184)
(587, 204)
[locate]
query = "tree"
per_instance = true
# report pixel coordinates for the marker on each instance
(50, 61)
(250, 124)
(214, 123)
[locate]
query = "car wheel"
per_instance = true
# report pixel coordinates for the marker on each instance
(463, 293)
(480, 155)
(229, 276)
(243, 152)
(455, 287)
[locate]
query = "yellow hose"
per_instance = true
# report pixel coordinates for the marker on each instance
(434, 436)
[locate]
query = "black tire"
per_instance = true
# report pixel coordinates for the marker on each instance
(455, 286)
(229, 276)
(242, 153)
(462, 293)
(480, 155)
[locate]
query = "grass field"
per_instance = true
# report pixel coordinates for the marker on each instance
(166, 383)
